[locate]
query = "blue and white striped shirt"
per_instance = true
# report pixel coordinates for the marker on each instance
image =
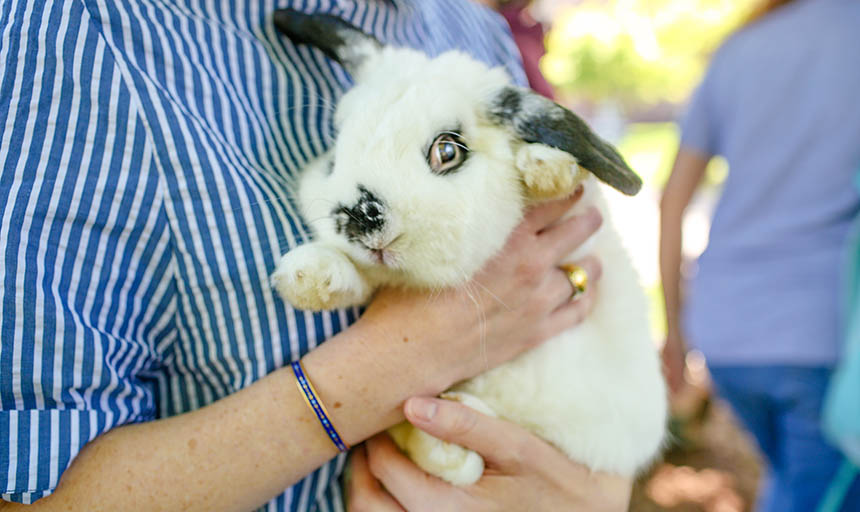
(146, 151)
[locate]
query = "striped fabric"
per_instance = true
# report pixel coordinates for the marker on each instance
(146, 153)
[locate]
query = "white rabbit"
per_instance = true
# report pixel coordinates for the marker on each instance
(435, 161)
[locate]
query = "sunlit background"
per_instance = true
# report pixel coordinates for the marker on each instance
(629, 66)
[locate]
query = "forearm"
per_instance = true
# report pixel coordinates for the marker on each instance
(230, 455)
(241, 451)
(671, 242)
(687, 173)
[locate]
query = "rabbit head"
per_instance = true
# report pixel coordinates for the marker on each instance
(428, 175)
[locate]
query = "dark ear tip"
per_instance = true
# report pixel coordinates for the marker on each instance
(331, 34)
(633, 186)
(283, 17)
(320, 30)
(291, 22)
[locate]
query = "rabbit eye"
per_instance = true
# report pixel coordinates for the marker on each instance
(447, 153)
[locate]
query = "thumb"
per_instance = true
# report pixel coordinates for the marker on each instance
(502, 444)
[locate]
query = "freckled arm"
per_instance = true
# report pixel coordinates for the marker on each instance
(241, 451)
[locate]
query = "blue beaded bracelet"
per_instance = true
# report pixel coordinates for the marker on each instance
(310, 396)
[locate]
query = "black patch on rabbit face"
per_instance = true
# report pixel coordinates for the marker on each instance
(366, 216)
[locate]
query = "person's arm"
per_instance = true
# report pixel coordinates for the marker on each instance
(687, 173)
(522, 471)
(239, 452)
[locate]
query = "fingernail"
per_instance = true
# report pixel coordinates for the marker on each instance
(422, 409)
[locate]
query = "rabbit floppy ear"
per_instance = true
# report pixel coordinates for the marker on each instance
(536, 119)
(338, 39)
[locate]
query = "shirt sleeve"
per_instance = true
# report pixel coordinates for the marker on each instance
(700, 123)
(85, 283)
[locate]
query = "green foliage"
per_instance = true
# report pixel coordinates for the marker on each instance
(636, 52)
(650, 149)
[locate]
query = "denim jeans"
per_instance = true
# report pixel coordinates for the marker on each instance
(781, 408)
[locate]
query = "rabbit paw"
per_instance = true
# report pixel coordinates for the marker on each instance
(314, 277)
(450, 462)
(548, 173)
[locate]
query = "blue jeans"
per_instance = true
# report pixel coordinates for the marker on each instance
(781, 406)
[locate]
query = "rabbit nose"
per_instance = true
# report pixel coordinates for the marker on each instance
(366, 216)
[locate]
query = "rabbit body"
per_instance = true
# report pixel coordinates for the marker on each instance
(383, 213)
(595, 391)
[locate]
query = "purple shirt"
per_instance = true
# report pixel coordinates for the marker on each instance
(781, 102)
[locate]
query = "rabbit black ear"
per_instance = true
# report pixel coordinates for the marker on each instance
(536, 119)
(339, 40)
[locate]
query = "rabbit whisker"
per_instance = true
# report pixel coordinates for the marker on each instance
(473, 295)
(493, 295)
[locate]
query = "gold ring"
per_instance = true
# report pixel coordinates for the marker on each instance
(578, 278)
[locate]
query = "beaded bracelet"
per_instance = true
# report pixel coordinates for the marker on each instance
(310, 396)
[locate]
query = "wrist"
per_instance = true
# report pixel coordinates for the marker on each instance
(431, 351)
(363, 376)
(413, 356)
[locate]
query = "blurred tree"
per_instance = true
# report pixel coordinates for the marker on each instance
(636, 52)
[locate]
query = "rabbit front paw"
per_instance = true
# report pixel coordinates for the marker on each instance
(450, 462)
(315, 277)
(548, 173)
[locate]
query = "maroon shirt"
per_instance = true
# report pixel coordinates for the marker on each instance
(528, 35)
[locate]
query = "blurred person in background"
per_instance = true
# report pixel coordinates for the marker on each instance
(780, 103)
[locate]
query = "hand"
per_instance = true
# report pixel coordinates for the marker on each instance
(518, 300)
(674, 362)
(522, 472)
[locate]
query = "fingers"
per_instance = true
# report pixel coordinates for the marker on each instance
(503, 445)
(546, 214)
(572, 312)
(593, 269)
(363, 492)
(566, 236)
(411, 486)
(559, 290)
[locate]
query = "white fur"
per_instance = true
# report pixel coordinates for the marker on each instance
(596, 391)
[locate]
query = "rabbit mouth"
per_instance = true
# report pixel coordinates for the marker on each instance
(380, 252)
(384, 257)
